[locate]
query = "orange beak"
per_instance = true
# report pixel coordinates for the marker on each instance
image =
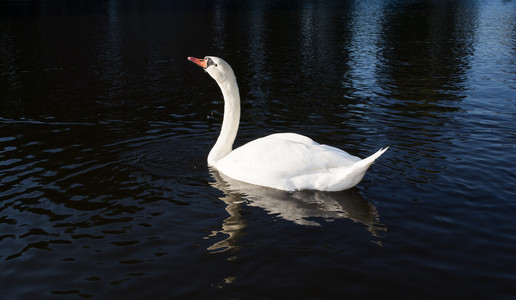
(200, 62)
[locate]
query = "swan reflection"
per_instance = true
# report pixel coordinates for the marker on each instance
(301, 207)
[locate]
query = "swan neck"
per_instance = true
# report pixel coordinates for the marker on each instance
(229, 129)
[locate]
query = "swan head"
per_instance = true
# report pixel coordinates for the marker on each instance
(216, 67)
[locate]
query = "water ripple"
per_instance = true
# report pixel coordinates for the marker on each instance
(104, 188)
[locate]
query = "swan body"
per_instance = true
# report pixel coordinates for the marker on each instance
(284, 161)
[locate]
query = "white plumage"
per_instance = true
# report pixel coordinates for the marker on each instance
(285, 161)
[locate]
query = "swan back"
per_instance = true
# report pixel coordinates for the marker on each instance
(289, 161)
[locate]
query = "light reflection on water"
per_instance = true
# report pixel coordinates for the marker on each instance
(105, 128)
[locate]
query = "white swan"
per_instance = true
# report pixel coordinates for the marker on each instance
(284, 161)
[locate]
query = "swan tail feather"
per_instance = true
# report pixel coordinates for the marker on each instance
(348, 177)
(366, 162)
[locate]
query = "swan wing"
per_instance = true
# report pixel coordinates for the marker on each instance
(277, 159)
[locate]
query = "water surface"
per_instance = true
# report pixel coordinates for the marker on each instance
(105, 128)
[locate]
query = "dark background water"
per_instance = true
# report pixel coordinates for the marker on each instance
(105, 129)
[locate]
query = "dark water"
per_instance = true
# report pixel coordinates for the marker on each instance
(105, 129)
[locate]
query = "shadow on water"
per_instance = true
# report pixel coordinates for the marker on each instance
(422, 73)
(306, 208)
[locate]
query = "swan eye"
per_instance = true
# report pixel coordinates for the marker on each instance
(209, 62)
